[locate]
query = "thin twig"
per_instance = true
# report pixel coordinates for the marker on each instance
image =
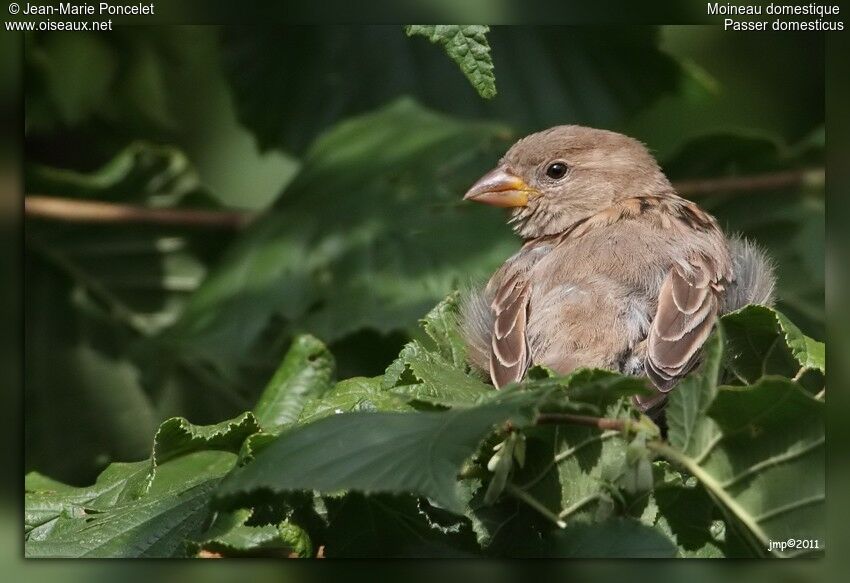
(571, 419)
(765, 181)
(89, 211)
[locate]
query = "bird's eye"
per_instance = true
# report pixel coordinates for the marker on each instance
(556, 170)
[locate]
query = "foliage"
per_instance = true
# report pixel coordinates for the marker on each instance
(316, 76)
(742, 464)
(468, 47)
(99, 300)
(346, 425)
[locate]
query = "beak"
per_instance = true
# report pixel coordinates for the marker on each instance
(500, 188)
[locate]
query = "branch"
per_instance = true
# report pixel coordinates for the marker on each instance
(603, 423)
(88, 211)
(771, 180)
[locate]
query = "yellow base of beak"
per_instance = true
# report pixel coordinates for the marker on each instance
(500, 188)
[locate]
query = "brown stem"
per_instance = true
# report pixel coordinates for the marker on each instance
(765, 181)
(88, 211)
(570, 419)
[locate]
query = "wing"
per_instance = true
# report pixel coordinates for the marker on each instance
(509, 353)
(687, 309)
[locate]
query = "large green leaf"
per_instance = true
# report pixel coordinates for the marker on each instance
(691, 431)
(389, 241)
(757, 450)
(155, 524)
(418, 453)
(47, 500)
(688, 511)
(617, 537)
(468, 47)
(147, 508)
(762, 341)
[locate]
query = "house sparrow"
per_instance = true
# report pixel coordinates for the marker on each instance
(616, 270)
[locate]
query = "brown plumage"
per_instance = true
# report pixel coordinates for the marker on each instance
(617, 271)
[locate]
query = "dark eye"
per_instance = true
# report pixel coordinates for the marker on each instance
(556, 170)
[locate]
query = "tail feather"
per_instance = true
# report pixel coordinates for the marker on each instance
(755, 282)
(476, 319)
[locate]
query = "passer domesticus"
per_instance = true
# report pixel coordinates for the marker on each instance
(616, 271)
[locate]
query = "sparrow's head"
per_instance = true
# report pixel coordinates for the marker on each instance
(556, 177)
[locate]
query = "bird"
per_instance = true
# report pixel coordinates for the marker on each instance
(616, 270)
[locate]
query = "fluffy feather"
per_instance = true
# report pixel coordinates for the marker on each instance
(755, 282)
(476, 324)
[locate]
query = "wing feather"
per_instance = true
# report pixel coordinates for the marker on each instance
(509, 353)
(687, 309)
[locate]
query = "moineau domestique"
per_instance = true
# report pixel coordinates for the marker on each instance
(716, 8)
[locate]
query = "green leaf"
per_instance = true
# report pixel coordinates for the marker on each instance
(384, 526)
(439, 382)
(468, 47)
(442, 327)
(296, 538)
(102, 82)
(437, 373)
(763, 341)
(345, 269)
(418, 453)
(690, 430)
(594, 390)
(47, 500)
(305, 373)
(617, 537)
(176, 437)
(229, 534)
(97, 372)
(155, 524)
(77, 75)
(688, 510)
(510, 528)
(757, 450)
(356, 394)
(140, 172)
